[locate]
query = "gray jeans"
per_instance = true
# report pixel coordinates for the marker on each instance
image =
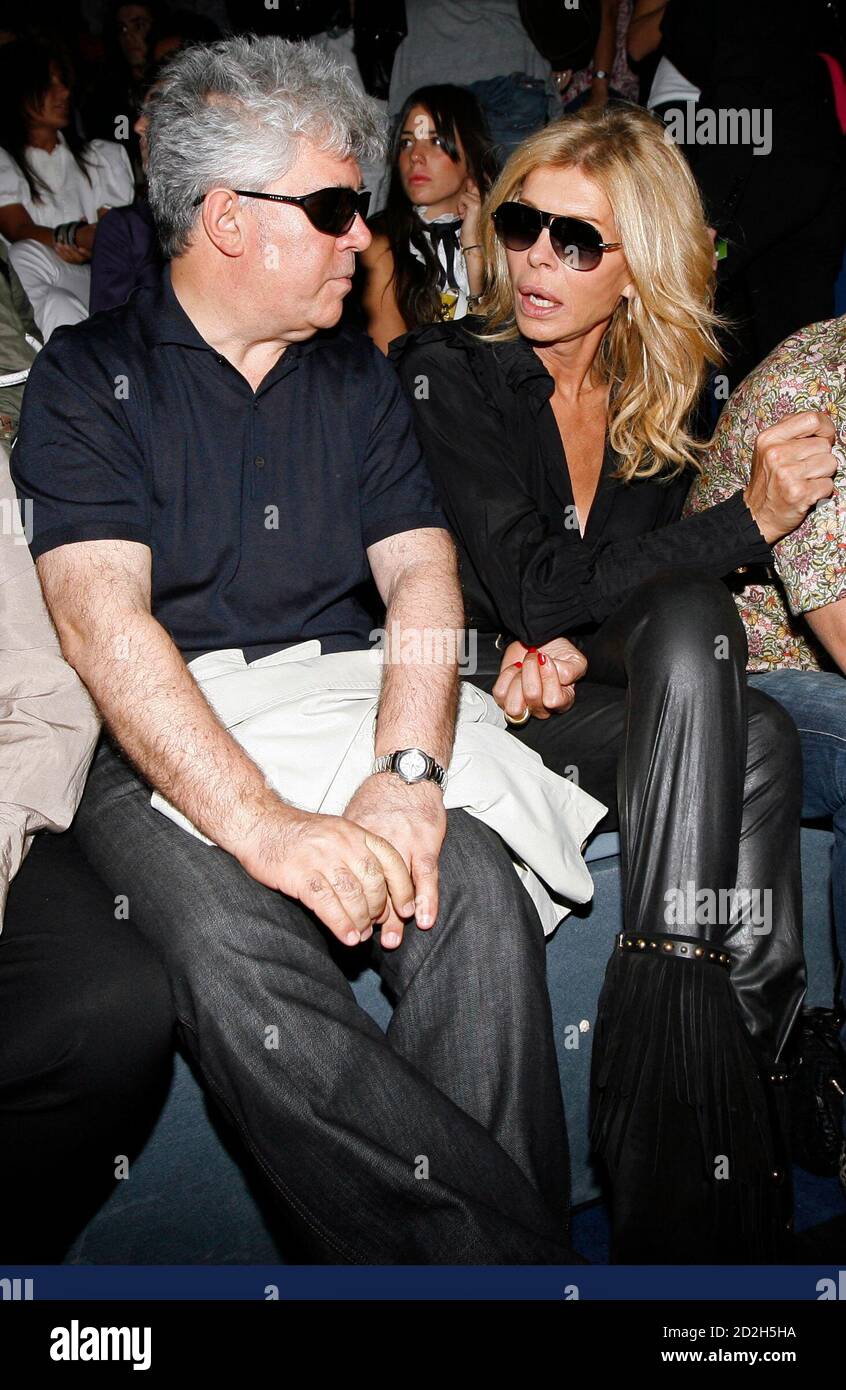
(442, 1141)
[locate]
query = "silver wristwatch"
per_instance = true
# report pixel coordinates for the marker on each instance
(412, 765)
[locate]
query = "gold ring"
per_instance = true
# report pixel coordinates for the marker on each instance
(524, 719)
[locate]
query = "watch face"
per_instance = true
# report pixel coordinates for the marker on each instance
(412, 764)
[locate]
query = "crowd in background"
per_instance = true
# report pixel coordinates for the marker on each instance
(481, 75)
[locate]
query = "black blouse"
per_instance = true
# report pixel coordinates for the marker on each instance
(486, 424)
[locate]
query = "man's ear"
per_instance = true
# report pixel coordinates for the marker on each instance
(222, 218)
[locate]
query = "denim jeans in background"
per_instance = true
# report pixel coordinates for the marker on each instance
(514, 107)
(816, 701)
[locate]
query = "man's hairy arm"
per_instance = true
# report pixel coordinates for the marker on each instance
(416, 573)
(99, 595)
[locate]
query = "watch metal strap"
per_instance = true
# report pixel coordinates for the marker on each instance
(435, 772)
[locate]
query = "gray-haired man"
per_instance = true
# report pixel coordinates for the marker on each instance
(210, 469)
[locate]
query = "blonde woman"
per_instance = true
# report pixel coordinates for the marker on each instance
(557, 428)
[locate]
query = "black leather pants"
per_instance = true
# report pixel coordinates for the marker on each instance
(708, 792)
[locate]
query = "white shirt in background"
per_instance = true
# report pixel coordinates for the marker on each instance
(69, 195)
(668, 84)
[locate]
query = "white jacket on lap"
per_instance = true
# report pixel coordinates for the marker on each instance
(308, 722)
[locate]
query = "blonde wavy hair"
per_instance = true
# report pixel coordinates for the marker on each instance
(656, 360)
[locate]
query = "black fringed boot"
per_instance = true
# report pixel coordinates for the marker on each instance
(687, 1123)
(704, 986)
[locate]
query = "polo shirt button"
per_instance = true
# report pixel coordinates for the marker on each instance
(259, 461)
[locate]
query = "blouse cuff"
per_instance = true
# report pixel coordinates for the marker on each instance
(756, 550)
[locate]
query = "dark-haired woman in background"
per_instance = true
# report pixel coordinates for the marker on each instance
(53, 187)
(425, 263)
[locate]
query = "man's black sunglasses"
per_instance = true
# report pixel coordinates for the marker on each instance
(578, 244)
(330, 210)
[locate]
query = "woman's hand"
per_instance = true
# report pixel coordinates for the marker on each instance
(468, 207)
(538, 680)
(78, 252)
(74, 255)
(569, 661)
(84, 240)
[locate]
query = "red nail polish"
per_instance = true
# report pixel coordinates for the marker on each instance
(541, 659)
(529, 650)
(518, 664)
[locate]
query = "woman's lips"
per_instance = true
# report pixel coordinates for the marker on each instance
(537, 305)
(419, 178)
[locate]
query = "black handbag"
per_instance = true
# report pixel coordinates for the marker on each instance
(817, 1087)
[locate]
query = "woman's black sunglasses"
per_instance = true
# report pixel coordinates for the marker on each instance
(576, 243)
(331, 210)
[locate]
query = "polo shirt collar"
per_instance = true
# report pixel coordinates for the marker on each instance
(169, 323)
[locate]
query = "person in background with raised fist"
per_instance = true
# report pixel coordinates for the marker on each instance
(772, 439)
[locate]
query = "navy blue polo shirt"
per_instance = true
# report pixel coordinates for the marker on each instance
(258, 507)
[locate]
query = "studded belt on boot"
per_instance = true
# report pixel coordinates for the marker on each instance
(682, 947)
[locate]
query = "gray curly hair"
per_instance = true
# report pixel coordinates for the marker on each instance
(234, 112)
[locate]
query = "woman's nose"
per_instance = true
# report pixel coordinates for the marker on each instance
(542, 253)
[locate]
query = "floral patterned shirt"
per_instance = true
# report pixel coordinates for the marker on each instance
(806, 372)
(623, 80)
